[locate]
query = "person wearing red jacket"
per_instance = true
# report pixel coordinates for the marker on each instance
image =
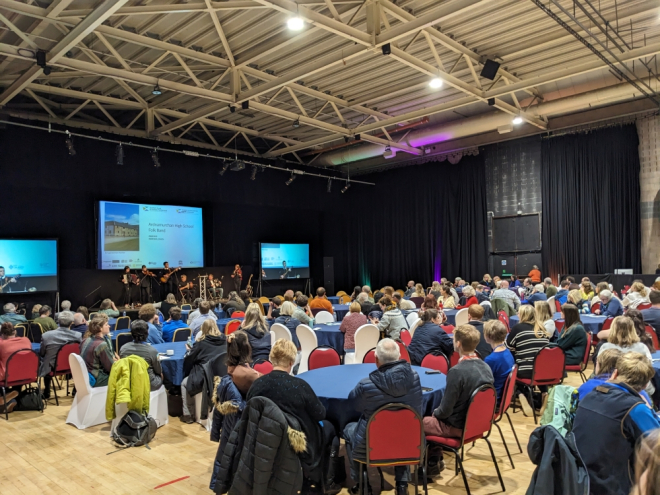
(469, 294)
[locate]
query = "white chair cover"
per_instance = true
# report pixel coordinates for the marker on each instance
(308, 342)
(324, 317)
(462, 317)
(88, 407)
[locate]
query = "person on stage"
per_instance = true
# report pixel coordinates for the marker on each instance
(145, 285)
(238, 277)
(284, 271)
(5, 281)
(126, 280)
(215, 287)
(169, 286)
(186, 289)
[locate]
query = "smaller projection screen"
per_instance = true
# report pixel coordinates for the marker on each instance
(28, 265)
(280, 261)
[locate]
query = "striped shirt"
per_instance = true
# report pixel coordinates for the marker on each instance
(525, 345)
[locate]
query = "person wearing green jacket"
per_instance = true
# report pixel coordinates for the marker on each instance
(573, 338)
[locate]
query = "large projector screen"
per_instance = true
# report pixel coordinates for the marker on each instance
(28, 265)
(280, 261)
(132, 234)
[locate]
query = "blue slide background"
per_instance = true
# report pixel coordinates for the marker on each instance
(34, 258)
(295, 255)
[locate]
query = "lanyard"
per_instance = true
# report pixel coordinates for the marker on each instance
(469, 356)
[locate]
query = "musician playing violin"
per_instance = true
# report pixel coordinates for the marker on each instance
(145, 285)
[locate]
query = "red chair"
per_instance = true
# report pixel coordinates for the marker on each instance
(439, 363)
(238, 314)
(449, 329)
(263, 366)
(370, 356)
(453, 361)
(62, 366)
(232, 326)
(654, 336)
(579, 368)
(607, 324)
(22, 369)
(557, 306)
(478, 424)
(548, 369)
(559, 325)
(504, 318)
(505, 403)
(405, 337)
(404, 351)
(322, 357)
(644, 306)
(387, 446)
(594, 307)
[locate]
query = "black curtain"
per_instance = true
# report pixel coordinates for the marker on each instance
(591, 209)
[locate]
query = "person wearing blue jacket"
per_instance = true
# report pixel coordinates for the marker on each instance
(430, 338)
(393, 382)
(562, 293)
(610, 420)
(537, 295)
(610, 306)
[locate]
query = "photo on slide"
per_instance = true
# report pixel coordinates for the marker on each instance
(122, 227)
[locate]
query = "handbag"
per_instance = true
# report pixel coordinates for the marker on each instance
(30, 399)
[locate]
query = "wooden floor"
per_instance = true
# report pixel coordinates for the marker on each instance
(42, 454)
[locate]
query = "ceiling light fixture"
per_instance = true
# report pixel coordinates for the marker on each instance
(436, 83)
(154, 157)
(329, 189)
(296, 123)
(69, 144)
(345, 188)
(253, 176)
(224, 168)
(295, 23)
(156, 91)
(291, 179)
(388, 152)
(517, 120)
(119, 153)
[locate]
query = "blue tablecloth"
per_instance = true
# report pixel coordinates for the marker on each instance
(220, 313)
(172, 365)
(333, 299)
(340, 311)
(451, 316)
(36, 347)
(329, 334)
(333, 384)
(222, 322)
(591, 323)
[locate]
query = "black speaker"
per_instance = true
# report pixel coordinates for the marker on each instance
(387, 49)
(329, 275)
(246, 104)
(490, 69)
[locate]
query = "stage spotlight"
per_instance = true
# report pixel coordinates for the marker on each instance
(296, 123)
(154, 157)
(232, 109)
(69, 144)
(388, 152)
(295, 23)
(517, 120)
(291, 179)
(156, 91)
(435, 83)
(119, 153)
(253, 176)
(345, 188)
(224, 168)
(329, 189)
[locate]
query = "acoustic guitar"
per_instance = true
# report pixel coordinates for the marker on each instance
(10, 280)
(248, 288)
(164, 278)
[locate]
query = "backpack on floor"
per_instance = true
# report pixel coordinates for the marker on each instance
(135, 429)
(561, 408)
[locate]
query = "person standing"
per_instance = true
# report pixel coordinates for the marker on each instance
(145, 285)
(237, 275)
(535, 275)
(167, 287)
(126, 280)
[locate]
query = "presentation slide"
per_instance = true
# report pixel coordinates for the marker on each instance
(133, 235)
(28, 265)
(280, 261)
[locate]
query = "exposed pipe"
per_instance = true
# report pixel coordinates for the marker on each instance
(439, 133)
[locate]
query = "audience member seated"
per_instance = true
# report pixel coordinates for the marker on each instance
(79, 324)
(243, 296)
(109, 309)
(501, 360)
(609, 305)
(448, 420)
(9, 344)
(430, 338)
(34, 312)
(65, 306)
(365, 305)
(392, 320)
(204, 314)
(286, 318)
(652, 315)
(536, 295)
(605, 366)
(646, 464)
(96, 351)
(209, 345)
(389, 290)
(638, 294)
(525, 341)
(487, 281)
(507, 295)
(419, 291)
(475, 316)
(611, 420)
(403, 304)
(51, 342)
(535, 275)
(446, 298)
(640, 328)
(256, 328)
(167, 304)
(528, 288)
(573, 338)
(623, 336)
(435, 289)
(148, 313)
(234, 303)
(349, 325)
(274, 308)
(173, 323)
(296, 398)
(10, 315)
(84, 311)
(586, 291)
(356, 292)
(46, 322)
(367, 290)
(575, 298)
(303, 313)
(321, 302)
(543, 317)
(410, 289)
(480, 294)
(573, 285)
(471, 298)
(140, 347)
(550, 289)
(429, 303)
(394, 381)
(562, 293)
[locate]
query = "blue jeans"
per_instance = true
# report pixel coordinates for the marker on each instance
(401, 473)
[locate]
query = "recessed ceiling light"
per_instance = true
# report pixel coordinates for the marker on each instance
(436, 83)
(518, 120)
(295, 23)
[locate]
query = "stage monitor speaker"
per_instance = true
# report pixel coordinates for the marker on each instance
(490, 69)
(329, 275)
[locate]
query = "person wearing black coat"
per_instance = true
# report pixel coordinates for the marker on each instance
(475, 314)
(210, 345)
(430, 338)
(286, 318)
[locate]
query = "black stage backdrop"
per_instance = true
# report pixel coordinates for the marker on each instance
(591, 194)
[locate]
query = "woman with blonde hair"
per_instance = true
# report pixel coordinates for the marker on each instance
(586, 291)
(543, 319)
(575, 297)
(488, 281)
(167, 304)
(349, 325)
(419, 291)
(286, 318)
(435, 289)
(638, 294)
(623, 336)
(256, 328)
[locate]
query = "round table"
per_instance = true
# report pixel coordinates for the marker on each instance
(340, 311)
(451, 316)
(333, 299)
(172, 365)
(333, 384)
(329, 334)
(591, 323)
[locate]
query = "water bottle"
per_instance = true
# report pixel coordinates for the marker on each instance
(124, 313)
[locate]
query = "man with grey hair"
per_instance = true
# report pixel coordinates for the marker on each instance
(79, 323)
(394, 381)
(550, 289)
(10, 315)
(66, 306)
(410, 289)
(609, 306)
(538, 294)
(367, 290)
(51, 342)
(504, 293)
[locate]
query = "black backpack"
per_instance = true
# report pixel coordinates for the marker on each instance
(135, 429)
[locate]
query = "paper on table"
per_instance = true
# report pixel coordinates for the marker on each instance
(160, 358)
